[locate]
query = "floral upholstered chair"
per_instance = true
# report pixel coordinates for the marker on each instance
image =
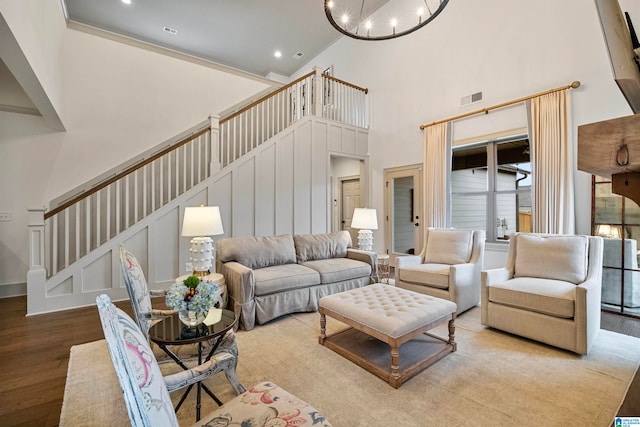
(146, 315)
(147, 397)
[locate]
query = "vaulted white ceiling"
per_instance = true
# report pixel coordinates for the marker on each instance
(242, 34)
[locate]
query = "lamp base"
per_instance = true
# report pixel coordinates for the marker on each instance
(365, 240)
(201, 255)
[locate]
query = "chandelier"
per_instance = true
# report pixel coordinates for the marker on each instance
(354, 18)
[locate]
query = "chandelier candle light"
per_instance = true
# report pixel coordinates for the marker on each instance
(366, 220)
(200, 223)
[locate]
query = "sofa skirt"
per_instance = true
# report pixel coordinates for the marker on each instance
(272, 306)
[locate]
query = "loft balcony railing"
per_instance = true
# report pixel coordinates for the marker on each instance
(312, 94)
(62, 235)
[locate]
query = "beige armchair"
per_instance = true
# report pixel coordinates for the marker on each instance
(448, 267)
(549, 291)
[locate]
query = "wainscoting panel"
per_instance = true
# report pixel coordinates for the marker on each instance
(281, 187)
(98, 275)
(62, 289)
(349, 141)
(164, 260)
(266, 192)
(244, 198)
(284, 185)
(302, 184)
(320, 189)
(221, 196)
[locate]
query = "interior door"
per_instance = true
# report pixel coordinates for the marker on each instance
(350, 190)
(403, 211)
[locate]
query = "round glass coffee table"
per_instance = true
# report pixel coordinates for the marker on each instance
(170, 331)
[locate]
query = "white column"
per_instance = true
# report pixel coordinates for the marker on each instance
(37, 274)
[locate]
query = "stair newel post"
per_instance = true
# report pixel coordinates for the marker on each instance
(37, 274)
(317, 92)
(215, 165)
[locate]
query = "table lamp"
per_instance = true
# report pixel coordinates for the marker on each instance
(606, 230)
(366, 220)
(200, 223)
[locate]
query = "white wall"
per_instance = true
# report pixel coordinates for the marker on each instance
(118, 101)
(503, 48)
(31, 36)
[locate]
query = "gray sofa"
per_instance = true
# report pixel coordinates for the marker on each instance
(271, 276)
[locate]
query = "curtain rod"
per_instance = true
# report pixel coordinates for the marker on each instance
(573, 85)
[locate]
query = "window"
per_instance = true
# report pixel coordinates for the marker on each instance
(617, 220)
(491, 187)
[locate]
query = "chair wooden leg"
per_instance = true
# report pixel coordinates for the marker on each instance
(232, 377)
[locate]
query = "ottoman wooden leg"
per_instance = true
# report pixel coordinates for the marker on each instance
(452, 333)
(395, 380)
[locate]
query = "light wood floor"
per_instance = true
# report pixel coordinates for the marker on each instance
(35, 352)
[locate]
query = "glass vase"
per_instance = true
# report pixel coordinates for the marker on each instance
(191, 318)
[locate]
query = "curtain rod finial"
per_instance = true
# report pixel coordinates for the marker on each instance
(575, 85)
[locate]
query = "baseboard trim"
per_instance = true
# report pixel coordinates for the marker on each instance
(15, 290)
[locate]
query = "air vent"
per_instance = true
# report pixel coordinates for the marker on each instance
(471, 99)
(298, 55)
(170, 30)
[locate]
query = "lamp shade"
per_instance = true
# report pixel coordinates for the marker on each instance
(606, 230)
(364, 218)
(202, 221)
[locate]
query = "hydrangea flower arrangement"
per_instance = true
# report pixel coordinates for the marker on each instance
(193, 295)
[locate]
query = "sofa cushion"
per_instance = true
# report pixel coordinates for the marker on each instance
(434, 275)
(552, 257)
(449, 246)
(280, 278)
(551, 297)
(257, 252)
(310, 247)
(339, 269)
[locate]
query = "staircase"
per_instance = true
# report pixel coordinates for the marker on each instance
(267, 166)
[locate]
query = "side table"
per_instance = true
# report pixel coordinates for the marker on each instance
(213, 278)
(171, 331)
(383, 268)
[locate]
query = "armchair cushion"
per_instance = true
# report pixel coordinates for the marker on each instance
(449, 246)
(552, 257)
(258, 252)
(546, 296)
(310, 247)
(434, 275)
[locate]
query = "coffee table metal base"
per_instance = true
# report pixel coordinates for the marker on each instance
(380, 354)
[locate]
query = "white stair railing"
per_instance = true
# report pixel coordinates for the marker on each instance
(83, 223)
(62, 235)
(312, 94)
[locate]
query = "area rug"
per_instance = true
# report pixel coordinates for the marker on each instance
(494, 379)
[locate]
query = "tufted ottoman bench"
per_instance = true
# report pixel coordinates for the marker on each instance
(380, 314)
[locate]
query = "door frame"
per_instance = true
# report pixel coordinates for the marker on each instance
(414, 171)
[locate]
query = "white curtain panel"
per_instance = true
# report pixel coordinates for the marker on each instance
(435, 176)
(552, 163)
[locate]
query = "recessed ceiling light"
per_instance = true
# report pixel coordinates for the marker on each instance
(277, 54)
(126, 1)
